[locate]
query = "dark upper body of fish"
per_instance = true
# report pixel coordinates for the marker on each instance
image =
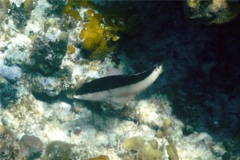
(118, 88)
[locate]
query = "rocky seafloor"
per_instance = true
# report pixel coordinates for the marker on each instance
(49, 49)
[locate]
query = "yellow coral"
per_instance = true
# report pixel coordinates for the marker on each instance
(215, 11)
(96, 37)
(99, 33)
(70, 49)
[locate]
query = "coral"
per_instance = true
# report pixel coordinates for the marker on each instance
(2, 130)
(31, 147)
(74, 14)
(214, 11)
(102, 24)
(57, 150)
(50, 85)
(134, 143)
(22, 13)
(28, 6)
(12, 73)
(8, 92)
(149, 153)
(4, 4)
(46, 56)
(171, 150)
(101, 157)
(73, 4)
(9, 147)
(165, 130)
(70, 13)
(56, 6)
(167, 123)
(71, 49)
(154, 144)
(96, 37)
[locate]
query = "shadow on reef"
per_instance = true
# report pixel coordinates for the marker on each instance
(99, 108)
(201, 77)
(7, 92)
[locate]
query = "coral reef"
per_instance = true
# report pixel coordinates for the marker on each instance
(214, 11)
(99, 32)
(8, 92)
(149, 153)
(166, 129)
(31, 147)
(11, 73)
(22, 13)
(46, 56)
(57, 150)
(143, 151)
(171, 150)
(97, 37)
(9, 146)
(56, 6)
(191, 112)
(4, 5)
(134, 143)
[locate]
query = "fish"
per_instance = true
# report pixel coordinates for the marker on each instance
(118, 89)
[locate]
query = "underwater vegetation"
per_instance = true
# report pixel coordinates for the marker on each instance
(214, 11)
(134, 143)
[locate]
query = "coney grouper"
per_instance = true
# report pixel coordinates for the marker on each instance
(118, 89)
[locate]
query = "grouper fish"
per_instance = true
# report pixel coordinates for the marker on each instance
(118, 89)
